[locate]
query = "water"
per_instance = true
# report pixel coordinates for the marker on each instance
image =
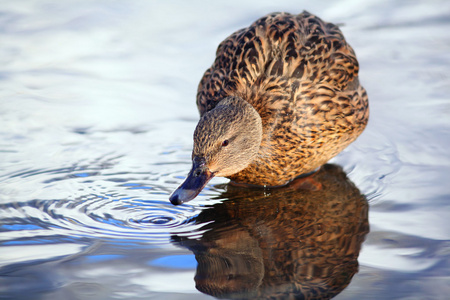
(97, 110)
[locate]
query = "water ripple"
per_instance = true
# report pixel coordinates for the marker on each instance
(134, 207)
(98, 216)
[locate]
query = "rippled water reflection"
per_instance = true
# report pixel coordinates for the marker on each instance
(282, 242)
(96, 119)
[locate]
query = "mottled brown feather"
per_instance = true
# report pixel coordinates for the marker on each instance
(301, 76)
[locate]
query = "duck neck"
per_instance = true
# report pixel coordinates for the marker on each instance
(243, 108)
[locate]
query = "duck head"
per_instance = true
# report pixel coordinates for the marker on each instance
(226, 140)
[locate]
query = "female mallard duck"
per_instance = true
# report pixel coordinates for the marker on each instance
(280, 100)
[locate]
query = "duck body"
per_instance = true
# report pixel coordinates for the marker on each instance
(301, 77)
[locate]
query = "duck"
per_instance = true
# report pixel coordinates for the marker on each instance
(281, 98)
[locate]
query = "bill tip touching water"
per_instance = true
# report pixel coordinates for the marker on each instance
(280, 100)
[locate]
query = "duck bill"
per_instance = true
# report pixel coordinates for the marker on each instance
(196, 180)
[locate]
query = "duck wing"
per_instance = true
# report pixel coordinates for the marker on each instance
(275, 55)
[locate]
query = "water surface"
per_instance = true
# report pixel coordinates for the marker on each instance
(97, 110)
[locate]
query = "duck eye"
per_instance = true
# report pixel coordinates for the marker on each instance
(225, 143)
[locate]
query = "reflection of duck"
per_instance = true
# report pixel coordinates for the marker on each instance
(286, 244)
(280, 100)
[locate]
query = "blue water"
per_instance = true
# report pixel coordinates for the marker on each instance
(97, 110)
